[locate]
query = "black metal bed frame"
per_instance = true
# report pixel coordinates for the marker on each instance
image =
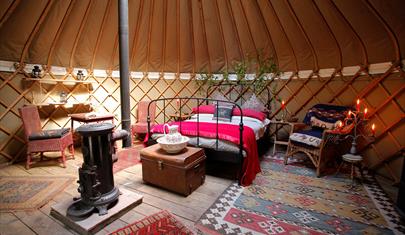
(216, 154)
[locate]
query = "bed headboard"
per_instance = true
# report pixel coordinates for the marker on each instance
(237, 92)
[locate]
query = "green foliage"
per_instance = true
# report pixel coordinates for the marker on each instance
(256, 73)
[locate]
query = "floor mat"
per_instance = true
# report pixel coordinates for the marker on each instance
(291, 199)
(160, 223)
(126, 158)
(29, 192)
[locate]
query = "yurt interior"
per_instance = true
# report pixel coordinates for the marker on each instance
(202, 117)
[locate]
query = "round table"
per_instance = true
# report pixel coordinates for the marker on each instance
(354, 160)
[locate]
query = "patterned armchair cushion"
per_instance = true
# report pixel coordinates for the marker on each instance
(308, 137)
(325, 116)
(49, 134)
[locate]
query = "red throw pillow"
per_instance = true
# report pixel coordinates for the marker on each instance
(204, 109)
(250, 113)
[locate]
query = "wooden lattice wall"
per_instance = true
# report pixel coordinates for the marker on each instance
(383, 94)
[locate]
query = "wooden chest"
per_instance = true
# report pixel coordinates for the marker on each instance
(182, 173)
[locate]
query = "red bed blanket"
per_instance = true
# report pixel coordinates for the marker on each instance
(251, 165)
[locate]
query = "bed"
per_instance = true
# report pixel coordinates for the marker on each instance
(239, 139)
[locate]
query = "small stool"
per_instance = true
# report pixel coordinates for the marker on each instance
(353, 160)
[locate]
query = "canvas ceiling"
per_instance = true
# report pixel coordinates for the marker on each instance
(203, 35)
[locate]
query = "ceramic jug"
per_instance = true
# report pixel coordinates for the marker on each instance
(173, 135)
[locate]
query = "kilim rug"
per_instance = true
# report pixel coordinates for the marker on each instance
(160, 223)
(290, 199)
(126, 158)
(29, 192)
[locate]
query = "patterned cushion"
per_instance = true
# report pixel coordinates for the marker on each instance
(308, 137)
(315, 122)
(49, 134)
(326, 113)
(223, 113)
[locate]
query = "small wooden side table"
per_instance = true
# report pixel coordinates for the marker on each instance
(354, 160)
(279, 125)
(177, 117)
(90, 117)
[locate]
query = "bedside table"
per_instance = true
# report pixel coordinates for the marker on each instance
(278, 126)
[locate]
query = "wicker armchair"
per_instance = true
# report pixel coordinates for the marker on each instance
(40, 141)
(313, 136)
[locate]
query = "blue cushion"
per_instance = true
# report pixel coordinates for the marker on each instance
(49, 134)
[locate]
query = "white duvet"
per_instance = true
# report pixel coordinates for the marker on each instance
(259, 128)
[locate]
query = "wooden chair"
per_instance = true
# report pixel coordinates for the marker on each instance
(141, 126)
(313, 136)
(40, 141)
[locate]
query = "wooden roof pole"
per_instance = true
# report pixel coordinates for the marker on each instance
(205, 35)
(389, 30)
(363, 47)
(135, 40)
(333, 36)
(249, 30)
(79, 33)
(124, 70)
(285, 34)
(9, 11)
(316, 65)
(190, 16)
(235, 30)
(35, 30)
(60, 29)
(267, 33)
(178, 36)
(100, 33)
(222, 35)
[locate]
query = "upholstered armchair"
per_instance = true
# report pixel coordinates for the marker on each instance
(314, 137)
(141, 126)
(40, 141)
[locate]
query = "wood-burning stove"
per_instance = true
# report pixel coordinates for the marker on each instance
(96, 179)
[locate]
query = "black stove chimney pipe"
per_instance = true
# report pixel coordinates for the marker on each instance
(124, 70)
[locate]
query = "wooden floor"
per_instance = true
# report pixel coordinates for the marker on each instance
(186, 209)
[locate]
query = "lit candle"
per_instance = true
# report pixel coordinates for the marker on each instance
(365, 113)
(349, 114)
(373, 129)
(282, 104)
(358, 105)
(178, 102)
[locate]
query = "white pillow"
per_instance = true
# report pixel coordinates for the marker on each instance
(254, 103)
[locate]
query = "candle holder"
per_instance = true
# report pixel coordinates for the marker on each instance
(357, 118)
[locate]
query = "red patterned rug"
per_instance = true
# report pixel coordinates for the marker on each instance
(290, 199)
(126, 158)
(160, 223)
